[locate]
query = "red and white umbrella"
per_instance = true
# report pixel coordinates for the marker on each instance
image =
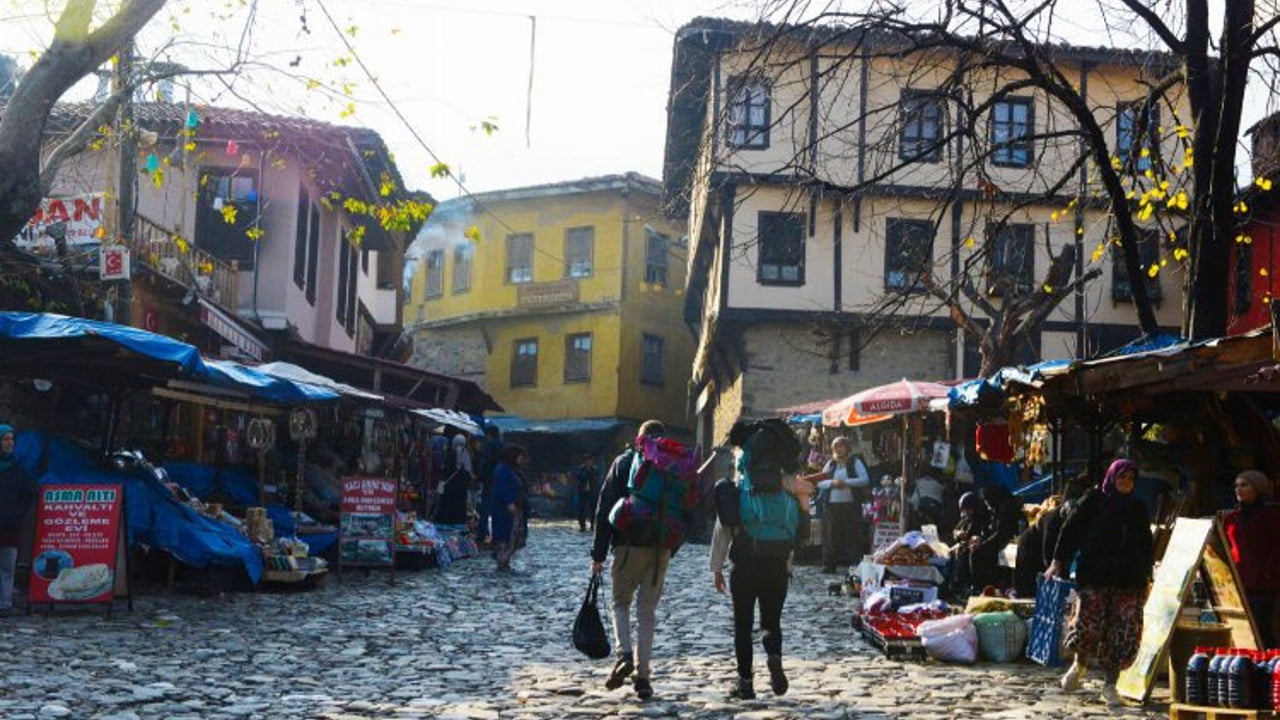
(882, 402)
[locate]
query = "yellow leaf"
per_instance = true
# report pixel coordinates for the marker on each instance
(1098, 253)
(1182, 131)
(1080, 231)
(1048, 288)
(1153, 271)
(1264, 183)
(1145, 213)
(1180, 254)
(969, 242)
(1146, 152)
(229, 214)
(1263, 272)
(1054, 216)
(1183, 202)
(472, 233)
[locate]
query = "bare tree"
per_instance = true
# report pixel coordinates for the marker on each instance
(975, 53)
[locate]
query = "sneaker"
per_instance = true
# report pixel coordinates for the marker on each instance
(742, 690)
(777, 679)
(644, 688)
(1110, 696)
(1071, 678)
(621, 671)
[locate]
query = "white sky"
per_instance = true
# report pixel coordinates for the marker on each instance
(600, 75)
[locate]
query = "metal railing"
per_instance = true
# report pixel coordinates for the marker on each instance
(181, 261)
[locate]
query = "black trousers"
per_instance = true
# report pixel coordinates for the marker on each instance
(762, 580)
(842, 534)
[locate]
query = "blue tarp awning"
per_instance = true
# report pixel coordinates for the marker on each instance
(226, 373)
(21, 326)
(155, 517)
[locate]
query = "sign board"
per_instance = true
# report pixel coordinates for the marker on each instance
(368, 522)
(113, 262)
(885, 533)
(547, 294)
(1192, 542)
(78, 554)
(81, 216)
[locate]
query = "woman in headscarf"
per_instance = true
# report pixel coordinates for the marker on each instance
(974, 524)
(506, 509)
(1253, 532)
(1109, 538)
(17, 497)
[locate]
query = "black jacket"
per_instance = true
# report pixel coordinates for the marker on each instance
(1114, 545)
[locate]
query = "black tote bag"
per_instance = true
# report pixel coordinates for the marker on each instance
(588, 630)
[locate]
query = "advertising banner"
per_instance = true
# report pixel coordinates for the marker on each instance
(368, 521)
(77, 545)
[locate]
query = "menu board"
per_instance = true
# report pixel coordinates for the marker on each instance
(78, 544)
(368, 521)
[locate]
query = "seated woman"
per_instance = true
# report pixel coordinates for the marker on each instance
(974, 524)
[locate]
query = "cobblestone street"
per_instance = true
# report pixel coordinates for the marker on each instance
(468, 642)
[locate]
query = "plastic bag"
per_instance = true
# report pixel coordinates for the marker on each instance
(589, 637)
(951, 639)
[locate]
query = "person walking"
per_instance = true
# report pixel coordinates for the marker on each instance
(1109, 537)
(17, 496)
(757, 522)
(845, 483)
(487, 459)
(1253, 534)
(585, 488)
(637, 574)
(505, 509)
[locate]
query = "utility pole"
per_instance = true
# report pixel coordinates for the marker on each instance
(126, 197)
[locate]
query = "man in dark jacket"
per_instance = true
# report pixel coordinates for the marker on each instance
(637, 571)
(17, 495)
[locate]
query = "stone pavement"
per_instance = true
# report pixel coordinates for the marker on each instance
(467, 642)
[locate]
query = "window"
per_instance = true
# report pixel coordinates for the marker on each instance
(462, 255)
(655, 257)
(748, 113)
(908, 253)
(1135, 135)
(577, 358)
(579, 251)
(435, 273)
(1148, 255)
(781, 249)
(524, 363)
(920, 138)
(520, 258)
(1243, 278)
(1011, 123)
(1010, 258)
(300, 241)
(313, 253)
(348, 264)
(651, 360)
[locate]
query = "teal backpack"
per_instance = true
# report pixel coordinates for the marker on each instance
(770, 517)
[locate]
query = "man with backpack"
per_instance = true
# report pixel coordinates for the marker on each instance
(758, 524)
(640, 514)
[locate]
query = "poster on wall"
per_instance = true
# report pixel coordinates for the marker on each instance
(368, 522)
(78, 555)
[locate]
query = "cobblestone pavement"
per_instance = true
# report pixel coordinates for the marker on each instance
(468, 642)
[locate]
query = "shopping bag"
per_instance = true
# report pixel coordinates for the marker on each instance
(588, 630)
(1049, 621)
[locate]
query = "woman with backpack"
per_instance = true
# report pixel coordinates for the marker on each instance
(843, 486)
(757, 526)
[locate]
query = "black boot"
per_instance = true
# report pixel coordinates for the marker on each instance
(742, 690)
(777, 679)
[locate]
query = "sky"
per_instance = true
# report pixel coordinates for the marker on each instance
(575, 88)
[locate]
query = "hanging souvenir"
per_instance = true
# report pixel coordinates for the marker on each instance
(233, 148)
(153, 163)
(193, 119)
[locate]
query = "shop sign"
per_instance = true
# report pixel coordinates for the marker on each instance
(368, 521)
(80, 216)
(113, 262)
(78, 544)
(547, 294)
(885, 533)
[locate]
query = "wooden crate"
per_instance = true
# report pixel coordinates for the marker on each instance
(1182, 711)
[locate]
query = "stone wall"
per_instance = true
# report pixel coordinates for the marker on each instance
(461, 353)
(786, 366)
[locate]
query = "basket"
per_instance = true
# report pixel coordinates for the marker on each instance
(1001, 635)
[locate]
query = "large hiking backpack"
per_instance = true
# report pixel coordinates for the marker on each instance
(661, 488)
(770, 515)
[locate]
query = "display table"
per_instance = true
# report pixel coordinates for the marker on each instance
(287, 569)
(874, 574)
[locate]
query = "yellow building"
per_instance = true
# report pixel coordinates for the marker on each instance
(563, 301)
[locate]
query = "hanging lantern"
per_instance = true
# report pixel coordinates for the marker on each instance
(233, 148)
(153, 163)
(193, 119)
